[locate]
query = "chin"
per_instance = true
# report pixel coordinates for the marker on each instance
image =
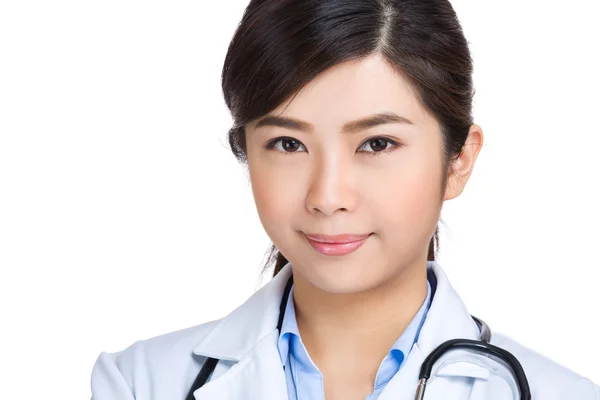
(340, 278)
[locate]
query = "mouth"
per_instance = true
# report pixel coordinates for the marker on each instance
(336, 245)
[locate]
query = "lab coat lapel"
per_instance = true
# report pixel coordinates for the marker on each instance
(249, 336)
(258, 375)
(446, 319)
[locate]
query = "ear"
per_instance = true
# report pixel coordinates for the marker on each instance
(461, 168)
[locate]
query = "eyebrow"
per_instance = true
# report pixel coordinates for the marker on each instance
(350, 127)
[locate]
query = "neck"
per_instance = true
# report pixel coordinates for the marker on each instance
(358, 329)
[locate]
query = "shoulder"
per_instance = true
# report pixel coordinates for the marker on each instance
(164, 363)
(169, 347)
(548, 379)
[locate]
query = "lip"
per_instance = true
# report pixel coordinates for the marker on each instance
(335, 239)
(336, 245)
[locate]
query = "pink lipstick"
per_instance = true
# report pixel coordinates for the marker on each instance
(336, 245)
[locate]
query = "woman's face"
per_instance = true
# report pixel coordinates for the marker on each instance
(325, 173)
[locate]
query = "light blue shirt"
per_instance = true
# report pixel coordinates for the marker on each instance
(304, 378)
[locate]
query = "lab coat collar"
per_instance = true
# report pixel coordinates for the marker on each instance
(239, 332)
(448, 317)
(249, 336)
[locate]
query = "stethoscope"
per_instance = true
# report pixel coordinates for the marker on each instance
(481, 346)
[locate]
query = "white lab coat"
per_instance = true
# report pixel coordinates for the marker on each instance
(164, 367)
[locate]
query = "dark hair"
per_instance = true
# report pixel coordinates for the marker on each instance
(281, 45)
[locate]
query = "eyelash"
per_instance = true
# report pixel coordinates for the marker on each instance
(395, 145)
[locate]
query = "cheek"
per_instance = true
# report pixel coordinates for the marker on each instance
(275, 193)
(407, 198)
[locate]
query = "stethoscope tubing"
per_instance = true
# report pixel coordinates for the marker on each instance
(480, 346)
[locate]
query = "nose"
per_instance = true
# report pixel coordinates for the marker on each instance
(331, 187)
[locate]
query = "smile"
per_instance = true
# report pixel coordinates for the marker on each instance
(337, 245)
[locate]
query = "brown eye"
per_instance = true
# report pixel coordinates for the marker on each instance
(378, 145)
(290, 145)
(285, 145)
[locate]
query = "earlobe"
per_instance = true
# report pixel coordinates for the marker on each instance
(463, 165)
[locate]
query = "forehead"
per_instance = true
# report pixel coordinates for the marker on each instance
(353, 89)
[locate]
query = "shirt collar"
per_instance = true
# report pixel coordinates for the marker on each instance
(411, 334)
(289, 326)
(399, 349)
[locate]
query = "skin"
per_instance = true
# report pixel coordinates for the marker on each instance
(352, 308)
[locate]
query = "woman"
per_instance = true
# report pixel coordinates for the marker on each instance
(354, 120)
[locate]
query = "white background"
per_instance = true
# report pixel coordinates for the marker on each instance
(123, 215)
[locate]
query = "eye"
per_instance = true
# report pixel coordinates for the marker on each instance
(285, 145)
(379, 145)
